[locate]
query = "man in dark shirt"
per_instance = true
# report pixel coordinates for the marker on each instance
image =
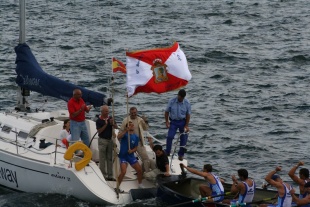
(105, 126)
(162, 162)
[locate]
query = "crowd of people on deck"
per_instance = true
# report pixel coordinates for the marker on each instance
(130, 135)
(177, 116)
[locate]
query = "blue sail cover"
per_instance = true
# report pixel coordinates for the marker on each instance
(31, 76)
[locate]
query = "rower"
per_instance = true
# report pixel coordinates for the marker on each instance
(214, 186)
(245, 188)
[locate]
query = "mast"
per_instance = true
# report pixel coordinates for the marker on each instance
(22, 21)
(22, 103)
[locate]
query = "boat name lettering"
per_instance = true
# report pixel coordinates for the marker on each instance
(9, 175)
(31, 81)
(58, 176)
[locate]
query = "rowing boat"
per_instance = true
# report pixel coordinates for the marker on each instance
(179, 190)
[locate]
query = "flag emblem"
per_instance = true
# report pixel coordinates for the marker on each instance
(159, 71)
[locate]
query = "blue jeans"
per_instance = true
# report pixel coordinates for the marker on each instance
(174, 126)
(79, 130)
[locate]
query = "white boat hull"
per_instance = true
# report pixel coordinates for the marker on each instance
(26, 167)
(30, 175)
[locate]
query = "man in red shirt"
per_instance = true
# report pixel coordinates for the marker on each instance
(77, 109)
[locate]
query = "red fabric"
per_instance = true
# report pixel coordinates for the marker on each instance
(149, 56)
(74, 106)
(118, 66)
(173, 84)
(65, 142)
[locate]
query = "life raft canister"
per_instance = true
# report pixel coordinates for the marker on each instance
(87, 154)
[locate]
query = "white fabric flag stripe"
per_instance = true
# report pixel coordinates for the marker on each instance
(177, 65)
(137, 75)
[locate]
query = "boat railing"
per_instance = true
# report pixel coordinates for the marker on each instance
(176, 146)
(56, 146)
(29, 148)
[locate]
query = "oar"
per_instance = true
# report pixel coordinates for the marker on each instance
(265, 199)
(209, 197)
(200, 199)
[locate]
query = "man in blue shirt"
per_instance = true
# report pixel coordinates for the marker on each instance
(128, 146)
(178, 112)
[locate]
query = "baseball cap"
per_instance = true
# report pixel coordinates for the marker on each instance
(274, 177)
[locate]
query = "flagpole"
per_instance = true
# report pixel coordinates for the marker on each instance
(128, 115)
(114, 135)
(128, 123)
(112, 94)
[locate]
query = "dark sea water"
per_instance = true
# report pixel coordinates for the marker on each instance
(250, 62)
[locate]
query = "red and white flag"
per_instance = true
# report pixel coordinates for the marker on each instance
(156, 70)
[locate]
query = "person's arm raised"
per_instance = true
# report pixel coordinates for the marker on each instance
(236, 186)
(294, 177)
(269, 179)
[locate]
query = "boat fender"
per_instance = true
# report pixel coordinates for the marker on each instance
(87, 155)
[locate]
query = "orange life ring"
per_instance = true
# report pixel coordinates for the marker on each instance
(87, 154)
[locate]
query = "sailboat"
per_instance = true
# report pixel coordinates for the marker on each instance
(32, 161)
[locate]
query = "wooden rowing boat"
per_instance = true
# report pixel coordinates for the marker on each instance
(178, 190)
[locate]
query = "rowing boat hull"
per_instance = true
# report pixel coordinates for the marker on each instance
(177, 189)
